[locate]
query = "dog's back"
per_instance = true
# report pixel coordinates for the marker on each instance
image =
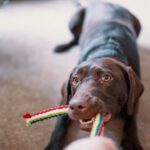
(113, 26)
(104, 30)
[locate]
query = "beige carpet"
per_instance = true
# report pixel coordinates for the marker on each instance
(31, 74)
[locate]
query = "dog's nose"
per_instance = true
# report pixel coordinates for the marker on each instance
(77, 105)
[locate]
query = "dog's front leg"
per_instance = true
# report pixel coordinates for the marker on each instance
(58, 137)
(131, 140)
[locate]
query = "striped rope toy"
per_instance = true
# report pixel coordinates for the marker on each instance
(98, 125)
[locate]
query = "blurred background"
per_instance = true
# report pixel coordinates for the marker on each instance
(31, 75)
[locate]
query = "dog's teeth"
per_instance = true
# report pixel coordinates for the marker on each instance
(86, 122)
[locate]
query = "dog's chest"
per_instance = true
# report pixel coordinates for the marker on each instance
(114, 130)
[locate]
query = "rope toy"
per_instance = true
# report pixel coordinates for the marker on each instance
(97, 128)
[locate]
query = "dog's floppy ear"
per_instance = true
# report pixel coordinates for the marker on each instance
(66, 91)
(136, 89)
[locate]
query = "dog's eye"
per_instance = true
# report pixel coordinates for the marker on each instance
(106, 77)
(75, 81)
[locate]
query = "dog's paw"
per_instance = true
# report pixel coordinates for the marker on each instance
(131, 146)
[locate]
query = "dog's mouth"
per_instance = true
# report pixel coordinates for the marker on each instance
(86, 124)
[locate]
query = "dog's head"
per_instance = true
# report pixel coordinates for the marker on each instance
(103, 86)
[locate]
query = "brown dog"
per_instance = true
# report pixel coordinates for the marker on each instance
(107, 77)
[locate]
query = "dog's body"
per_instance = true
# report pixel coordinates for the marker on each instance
(111, 33)
(107, 35)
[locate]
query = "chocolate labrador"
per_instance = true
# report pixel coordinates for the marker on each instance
(106, 79)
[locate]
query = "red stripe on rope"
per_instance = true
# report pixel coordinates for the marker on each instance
(27, 115)
(101, 129)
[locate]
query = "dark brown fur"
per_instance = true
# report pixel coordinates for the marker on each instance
(107, 35)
